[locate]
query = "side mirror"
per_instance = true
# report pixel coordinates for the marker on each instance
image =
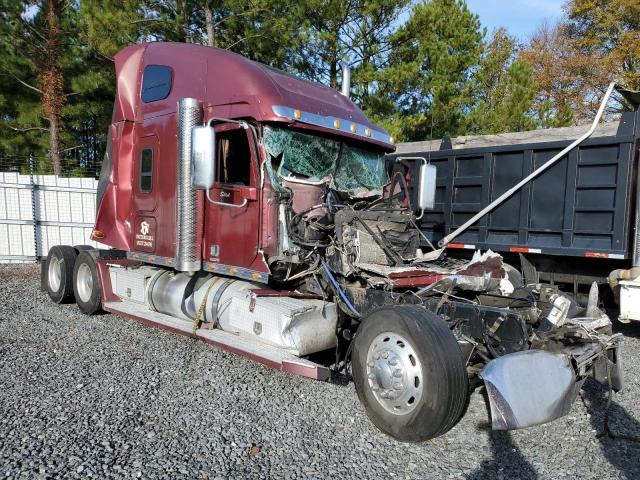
(427, 187)
(203, 157)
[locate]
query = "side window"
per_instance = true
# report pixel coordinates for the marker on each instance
(146, 170)
(234, 157)
(156, 83)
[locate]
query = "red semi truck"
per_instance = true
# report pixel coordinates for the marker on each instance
(252, 210)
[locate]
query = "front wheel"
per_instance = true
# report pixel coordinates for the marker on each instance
(409, 373)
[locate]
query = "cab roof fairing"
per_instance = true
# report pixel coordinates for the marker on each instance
(231, 86)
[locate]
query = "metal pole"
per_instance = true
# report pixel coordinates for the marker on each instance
(636, 237)
(446, 240)
(33, 208)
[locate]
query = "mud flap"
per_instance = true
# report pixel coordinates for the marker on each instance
(529, 388)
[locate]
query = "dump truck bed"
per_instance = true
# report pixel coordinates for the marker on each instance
(583, 206)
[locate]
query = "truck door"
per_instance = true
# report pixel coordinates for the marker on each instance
(144, 189)
(232, 223)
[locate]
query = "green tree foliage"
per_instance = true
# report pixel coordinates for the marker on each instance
(22, 128)
(427, 79)
(504, 87)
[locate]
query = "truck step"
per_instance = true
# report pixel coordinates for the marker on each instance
(247, 347)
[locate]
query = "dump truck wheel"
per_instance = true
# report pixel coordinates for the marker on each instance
(58, 273)
(409, 373)
(86, 285)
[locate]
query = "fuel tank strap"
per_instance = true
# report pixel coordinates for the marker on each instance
(216, 299)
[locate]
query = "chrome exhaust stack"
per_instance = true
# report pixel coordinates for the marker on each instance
(190, 114)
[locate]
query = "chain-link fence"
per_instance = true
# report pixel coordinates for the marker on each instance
(39, 210)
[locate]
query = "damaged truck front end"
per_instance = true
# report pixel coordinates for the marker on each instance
(420, 329)
(530, 345)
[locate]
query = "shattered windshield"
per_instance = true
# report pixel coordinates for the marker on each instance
(313, 158)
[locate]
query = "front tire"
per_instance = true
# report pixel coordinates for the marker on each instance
(86, 284)
(409, 373)
(57, 273)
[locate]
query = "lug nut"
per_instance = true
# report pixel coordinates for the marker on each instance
(393, 361)
(397, 385)
(385, 355)
(397, 373)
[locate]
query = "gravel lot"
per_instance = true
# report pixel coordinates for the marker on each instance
(106, 397)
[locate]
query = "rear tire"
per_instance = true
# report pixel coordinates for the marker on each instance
(86, 284)
(57, 273)
(409, 373)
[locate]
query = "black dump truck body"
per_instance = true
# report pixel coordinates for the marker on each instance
(582, 207)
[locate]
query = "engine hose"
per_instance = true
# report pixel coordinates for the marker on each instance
(341, 293)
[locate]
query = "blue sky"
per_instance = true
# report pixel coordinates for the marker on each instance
(520, 17)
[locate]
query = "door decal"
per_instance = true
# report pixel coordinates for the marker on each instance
(145, 234)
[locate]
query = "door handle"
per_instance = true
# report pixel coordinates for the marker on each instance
(223, 204)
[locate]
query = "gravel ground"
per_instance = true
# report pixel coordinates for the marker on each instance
(106, 397)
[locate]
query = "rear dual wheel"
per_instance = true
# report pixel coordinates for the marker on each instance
(409, 373)
(57, 273)
(86, 284)
(70, 274)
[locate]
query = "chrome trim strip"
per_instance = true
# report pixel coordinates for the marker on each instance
(344, 125)
(230, 270)
(239, 272)
(152, 259)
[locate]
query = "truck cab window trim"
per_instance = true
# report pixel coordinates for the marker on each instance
(146, 170)
(157, 81)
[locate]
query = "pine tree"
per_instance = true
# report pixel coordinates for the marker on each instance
(504, 89)
(434, 55)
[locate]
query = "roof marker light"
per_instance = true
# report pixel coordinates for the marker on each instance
(331, 122)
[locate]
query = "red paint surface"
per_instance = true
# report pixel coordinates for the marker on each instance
(418, 280)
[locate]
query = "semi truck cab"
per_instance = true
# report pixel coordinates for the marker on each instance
(250, 106)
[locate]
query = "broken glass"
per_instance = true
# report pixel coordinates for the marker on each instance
(312, 158)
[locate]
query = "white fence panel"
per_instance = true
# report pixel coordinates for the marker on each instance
(37, 212)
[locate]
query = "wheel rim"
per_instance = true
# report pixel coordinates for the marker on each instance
(394, 373)
(55, 273)
(84, 282)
